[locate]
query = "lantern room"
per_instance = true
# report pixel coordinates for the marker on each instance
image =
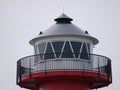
(63, 57)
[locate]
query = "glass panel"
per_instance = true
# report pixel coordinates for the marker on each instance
(57, 48)
(88, 46)
(35, 50)
(41, 48)
(37, 57)
(88, 51)
(67, 52)
(76, 48)
(84, 54)
(49, 52)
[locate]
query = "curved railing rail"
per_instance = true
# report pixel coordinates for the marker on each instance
(38, 63)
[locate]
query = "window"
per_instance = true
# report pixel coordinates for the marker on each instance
(41, 48)
(63, 49)
(88, 47)
(76, 48)
(37, 57)
(35, 50)
(49, 52)
(84, 54)
(57, 48)
(67, 52)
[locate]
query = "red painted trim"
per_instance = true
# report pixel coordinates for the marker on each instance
(86, 76)
(64, 73)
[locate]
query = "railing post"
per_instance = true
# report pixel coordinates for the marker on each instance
(17, 72)
(83, 69)
(45, 69)
(20, 73)
(109, 71)
(98, 68)
(30, 67)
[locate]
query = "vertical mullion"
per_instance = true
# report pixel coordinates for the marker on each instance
(62, 49)
(80, 50)
(53, 49)
(45, 50)
(87, 50)
(72, 49)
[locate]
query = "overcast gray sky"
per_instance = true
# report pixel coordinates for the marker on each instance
(21, 20)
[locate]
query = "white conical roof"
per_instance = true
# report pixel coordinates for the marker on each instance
(64, 27)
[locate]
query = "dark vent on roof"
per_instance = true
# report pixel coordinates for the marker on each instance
(40, 32)
(86, 32)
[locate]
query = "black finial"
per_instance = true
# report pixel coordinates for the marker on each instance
(63, 19)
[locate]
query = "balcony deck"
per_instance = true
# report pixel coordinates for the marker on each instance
(94, 67)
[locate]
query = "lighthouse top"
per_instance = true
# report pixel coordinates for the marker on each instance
(64, 27)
